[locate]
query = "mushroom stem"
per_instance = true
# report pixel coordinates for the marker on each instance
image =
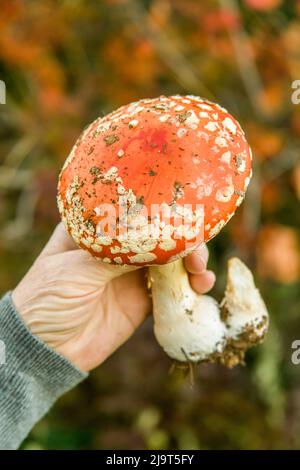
(186, 325)
(194, 328)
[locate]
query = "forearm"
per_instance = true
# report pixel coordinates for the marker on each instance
(31, 380)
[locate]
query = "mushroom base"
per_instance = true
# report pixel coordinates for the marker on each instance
(195, 328)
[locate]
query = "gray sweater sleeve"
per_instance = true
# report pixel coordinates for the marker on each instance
(32, 377)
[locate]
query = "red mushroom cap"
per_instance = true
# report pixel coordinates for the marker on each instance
(180, 156)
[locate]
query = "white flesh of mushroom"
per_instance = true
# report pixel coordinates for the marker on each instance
(194, 328)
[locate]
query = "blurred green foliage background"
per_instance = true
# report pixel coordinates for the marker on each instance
(65, 62)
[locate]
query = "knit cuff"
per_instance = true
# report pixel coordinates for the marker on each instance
(32, 378)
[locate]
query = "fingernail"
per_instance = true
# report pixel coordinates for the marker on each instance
(201, 262)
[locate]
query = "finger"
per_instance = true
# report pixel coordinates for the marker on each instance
(59, 242)
(203, 282)
(133, 291)
(82, 270)
(112, 271)
(62, 243)
(195, 263)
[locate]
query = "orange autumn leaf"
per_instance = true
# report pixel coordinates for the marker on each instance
(160, 12)
(114, 2)
(278, 253)
(295, 122)
(270, 196)
(291, 41)
(262, 5)
(19, 53)
(296, 180)
(10, 10)
(272, 99)
(143, 61)
(221, 20)
(52, 100)
(265, 142)
(241, 232)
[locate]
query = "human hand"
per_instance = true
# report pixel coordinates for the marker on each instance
(86, 309)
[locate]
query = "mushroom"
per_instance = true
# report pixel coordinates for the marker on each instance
(147, 184)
